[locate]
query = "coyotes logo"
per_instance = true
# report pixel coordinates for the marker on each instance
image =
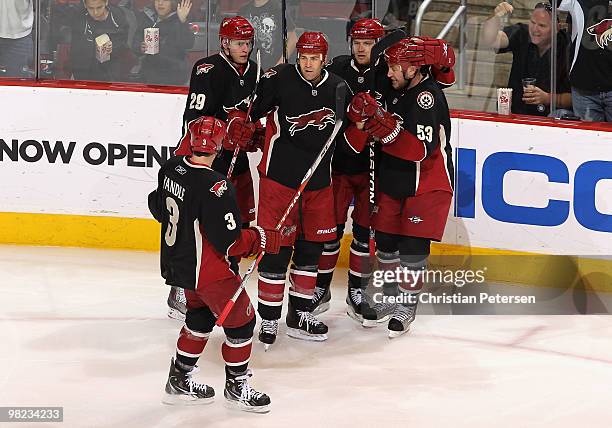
(271, 72)
(203, 69)
(602, 32)
(219, 188)
(319, 118)
(244, 104)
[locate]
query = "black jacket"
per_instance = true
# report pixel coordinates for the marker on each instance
(84, 29)
(169, 66)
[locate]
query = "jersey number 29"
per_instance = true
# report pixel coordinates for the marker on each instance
(197, 101)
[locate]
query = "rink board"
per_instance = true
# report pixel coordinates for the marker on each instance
(77, 165)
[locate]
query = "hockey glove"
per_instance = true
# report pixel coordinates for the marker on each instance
(428, 51)
(269, 240)
(239, 131)
(384, 126)
(362, 107)
(259, 138)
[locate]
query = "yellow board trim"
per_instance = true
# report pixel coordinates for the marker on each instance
(143, 234)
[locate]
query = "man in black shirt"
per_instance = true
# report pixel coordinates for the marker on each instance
(266, 16)
(530, 46)
(591, 58)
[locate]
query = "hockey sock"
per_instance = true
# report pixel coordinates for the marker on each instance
(189, 347)
(236, 349)
(236, 353)
(327, 263)
(360, 268)
(271, 283)
(412, 277)
(388, 262)
(270, 291)
(303, 273)
(303, 280)
(413, 258)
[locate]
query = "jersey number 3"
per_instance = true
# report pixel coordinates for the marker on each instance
(173, 220)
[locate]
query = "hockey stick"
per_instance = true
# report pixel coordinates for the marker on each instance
(251, 99)
(340, 97)
(284, 23)
(377, 50)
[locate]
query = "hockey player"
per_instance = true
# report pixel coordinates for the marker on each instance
(351, 173)
(220, 85)
(415, 182)
(299, 101)
(350, 176)
(200, 236)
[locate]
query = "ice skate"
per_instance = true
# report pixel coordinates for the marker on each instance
(268, 331)
(321, 300)
(177, 304)
(354, 302)
(401, 319)
(239, 395)
(377, 314)
(182, 390)
(303, 325)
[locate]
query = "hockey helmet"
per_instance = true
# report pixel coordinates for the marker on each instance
(236, 28)
(312, 42)
(206, 134)
(367, 28)
(399, 53)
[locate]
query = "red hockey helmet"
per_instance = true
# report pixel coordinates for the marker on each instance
(312, 42)
(399, 54)
(236, 28)
(206, 134)
(367, 28)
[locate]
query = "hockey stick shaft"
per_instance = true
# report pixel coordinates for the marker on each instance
(377, 50)
(338, 124)
(248, 114)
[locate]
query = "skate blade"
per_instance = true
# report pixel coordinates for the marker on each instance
(323, 307)
(175, 314)
(393, 334)
(266, 347)
(185, 400)
(237, 405)
(353, 315)
(375, 323)
(296, 333)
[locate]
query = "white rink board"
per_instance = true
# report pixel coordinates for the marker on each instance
(139, 122)
(579, 154)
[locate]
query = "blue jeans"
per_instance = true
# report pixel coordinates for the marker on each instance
(592, 106)
(15, 55)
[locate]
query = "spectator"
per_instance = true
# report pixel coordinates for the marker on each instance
(267, 19)
(530, 47)
(169, 66)
(16, 44)
(591, 58)
(96, 18)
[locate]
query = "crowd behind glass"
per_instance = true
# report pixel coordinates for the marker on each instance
(506, 44)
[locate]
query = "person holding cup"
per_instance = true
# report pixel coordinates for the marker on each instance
(162, 40)
(530, 73)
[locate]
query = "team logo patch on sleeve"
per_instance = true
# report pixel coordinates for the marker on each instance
(219, 188)
(425, 100)
(271, 72)
(319, 118)
(602, 32)
(203, 69)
